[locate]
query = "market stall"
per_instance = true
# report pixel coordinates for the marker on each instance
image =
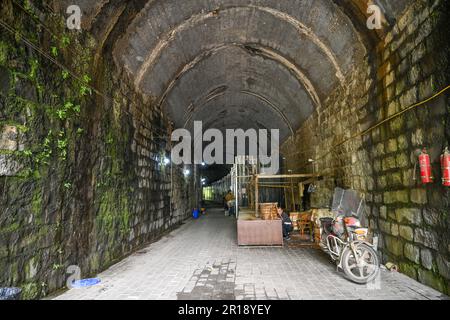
(259, 223)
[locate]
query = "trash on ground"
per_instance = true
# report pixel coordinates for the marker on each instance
(10, 293)
(85, 283)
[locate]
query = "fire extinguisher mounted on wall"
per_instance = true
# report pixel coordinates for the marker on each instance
(445, 165)
(425, 167)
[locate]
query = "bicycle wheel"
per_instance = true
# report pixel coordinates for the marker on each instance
(368, 266)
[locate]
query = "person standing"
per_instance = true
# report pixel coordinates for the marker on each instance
(230, 200)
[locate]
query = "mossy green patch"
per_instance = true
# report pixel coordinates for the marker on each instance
(30, 291)
(3, 251)
(3, 53)
(14, 227)
(431, 279)
(36, 202)
(409, 269)
(34, 66)
(94, 262)
(114, 215)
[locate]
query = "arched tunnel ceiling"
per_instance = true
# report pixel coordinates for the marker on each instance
(272, 51)
(240, 74)
(237, 63)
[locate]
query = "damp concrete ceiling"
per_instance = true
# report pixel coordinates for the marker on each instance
(237, 63)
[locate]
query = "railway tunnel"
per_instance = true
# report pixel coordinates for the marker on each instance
(86, 118)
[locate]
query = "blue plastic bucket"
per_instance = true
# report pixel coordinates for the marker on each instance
(196, 213)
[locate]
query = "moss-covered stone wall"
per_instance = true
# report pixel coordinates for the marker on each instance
(82, 174)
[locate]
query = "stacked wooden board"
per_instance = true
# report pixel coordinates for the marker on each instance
(269, 211)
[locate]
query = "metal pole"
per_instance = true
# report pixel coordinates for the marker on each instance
(285, 199)
(171, 188)
(287, 176)
(237, 191)
(292, 196)
(257, 196)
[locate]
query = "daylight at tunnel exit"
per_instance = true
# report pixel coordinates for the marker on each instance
(251, 153)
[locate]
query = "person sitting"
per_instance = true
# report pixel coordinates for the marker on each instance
(287, 223)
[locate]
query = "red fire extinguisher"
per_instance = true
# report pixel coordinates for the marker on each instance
(445, 165)
(425, 167)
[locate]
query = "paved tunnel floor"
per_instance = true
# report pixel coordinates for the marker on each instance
(201, 260)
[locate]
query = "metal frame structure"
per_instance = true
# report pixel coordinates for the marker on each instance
(307, 178)
(255, 231)
(245, 175)
(243, 171)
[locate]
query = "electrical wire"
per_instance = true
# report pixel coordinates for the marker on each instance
(46, 28)
(51, 59)
(164, 136)
(367, 131)
(40, 51)
(44, 5)
(162, 133)
(42, 24)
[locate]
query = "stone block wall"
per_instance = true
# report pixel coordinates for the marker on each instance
(413, 218)
(82, 176)
(409, 65)
(345, 113)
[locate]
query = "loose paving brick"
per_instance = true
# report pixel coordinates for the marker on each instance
(201, 261)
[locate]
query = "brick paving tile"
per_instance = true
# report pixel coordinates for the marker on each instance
(201, 260)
